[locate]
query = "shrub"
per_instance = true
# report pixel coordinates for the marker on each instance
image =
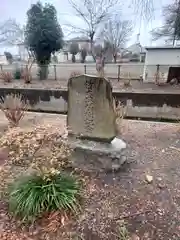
(74, 49)
(6, 76)
(120, 112)
(17, 74)
(83, 55)
(26, 72)
(14, 108)
(26, 75)
(34, 195)
(54, 59)
(75, 74)
(9, 57)
(119, 109)
(43, 35)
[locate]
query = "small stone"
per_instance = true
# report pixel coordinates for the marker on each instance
(161, 185)
(110, 215)
(149, 178)
(117, 143)
(82, 217)
(135, 237)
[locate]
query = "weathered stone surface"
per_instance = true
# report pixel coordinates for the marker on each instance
(92, 156)
(90, 108)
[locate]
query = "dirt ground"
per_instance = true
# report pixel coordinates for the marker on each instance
(146, 210)
(135, 86)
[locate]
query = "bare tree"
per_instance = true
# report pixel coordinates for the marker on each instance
(144, 8)
(116, 32)
(170, 30)
(11, 32)
(93, 13)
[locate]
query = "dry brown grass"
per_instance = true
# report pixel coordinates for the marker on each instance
(120, 112)
(14, 107)
(6, 76)
(54, 221)
(26, 75)
(75, 74)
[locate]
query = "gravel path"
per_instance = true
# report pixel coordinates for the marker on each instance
(148, 210)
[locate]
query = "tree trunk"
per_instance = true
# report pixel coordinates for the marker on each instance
(73, 58)
(92, 53)
(43, 72)
(115, 58)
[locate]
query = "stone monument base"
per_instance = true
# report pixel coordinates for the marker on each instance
(91, 156)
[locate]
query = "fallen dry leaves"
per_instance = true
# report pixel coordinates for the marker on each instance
(151, 211)
(43, 147)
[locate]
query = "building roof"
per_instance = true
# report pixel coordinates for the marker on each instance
(135, 48)
(162, 48)
(79, 39)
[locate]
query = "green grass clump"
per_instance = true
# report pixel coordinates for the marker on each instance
(31, 196)
(17, 74)
(123, 233)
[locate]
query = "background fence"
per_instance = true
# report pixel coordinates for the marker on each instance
(133, 71)
(63, 71)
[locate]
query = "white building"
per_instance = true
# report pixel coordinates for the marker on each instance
(161, 59)
(22, 52)
(83, 42)
(3, 60)
(136, 52)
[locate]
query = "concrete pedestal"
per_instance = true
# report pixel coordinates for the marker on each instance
(96, 156)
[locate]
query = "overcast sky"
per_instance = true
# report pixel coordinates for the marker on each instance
(17, 9)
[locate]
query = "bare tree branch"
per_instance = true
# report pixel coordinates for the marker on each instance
(170, 30)
(144, 8)
(116, 33)
(11, 32)
(94, 14)
(77, 30)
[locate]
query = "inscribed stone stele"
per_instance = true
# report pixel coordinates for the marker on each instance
(90, 108)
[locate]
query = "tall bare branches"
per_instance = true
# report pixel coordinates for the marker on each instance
(93, 14)
(11, 32)
(144, 8)
(116, 32)
(170, 30)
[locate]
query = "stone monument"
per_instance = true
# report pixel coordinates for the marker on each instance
(91, 124)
